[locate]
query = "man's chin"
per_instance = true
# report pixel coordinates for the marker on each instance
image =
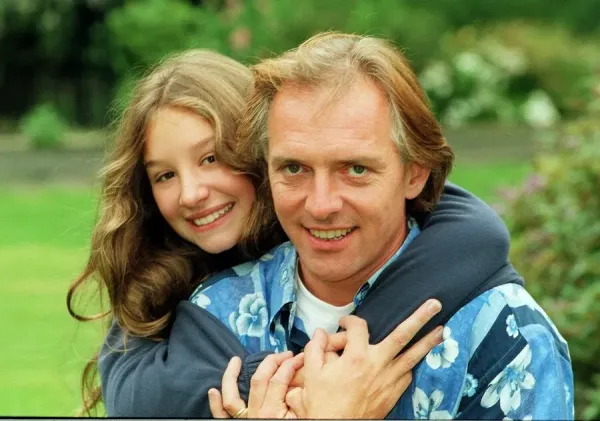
(326, 270)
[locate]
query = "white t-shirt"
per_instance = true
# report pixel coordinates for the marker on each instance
(316, 313)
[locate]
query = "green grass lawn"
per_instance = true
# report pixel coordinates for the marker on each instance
(43, 245)
(485, 179)
(42, 248)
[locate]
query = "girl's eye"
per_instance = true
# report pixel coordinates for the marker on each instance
(292, 168)
(209, 160)
(357, 171)
(165, 177)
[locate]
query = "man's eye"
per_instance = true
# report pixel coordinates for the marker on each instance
(292, 168)
(165, 177)
(357, 171)
(209, 160)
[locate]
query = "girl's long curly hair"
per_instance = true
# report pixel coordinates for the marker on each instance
(136, 259)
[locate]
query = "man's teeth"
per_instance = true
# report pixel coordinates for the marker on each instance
(331, 234)
(213, 216)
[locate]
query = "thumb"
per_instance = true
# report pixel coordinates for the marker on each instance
(293, 400)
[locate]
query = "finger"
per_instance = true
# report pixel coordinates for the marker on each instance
(402, 335)
(280, 382)
(230, 393)
(357, 335)
(408, 360)
(400, 387)
(259, 382)
(402, 384)
(396, 391)
(215, 402)
(337, 341)
(314, 352)
(331, 357)
(293, 400)
(298, 380)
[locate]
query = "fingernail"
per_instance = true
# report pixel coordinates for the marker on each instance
(434, 306)
(439, 332)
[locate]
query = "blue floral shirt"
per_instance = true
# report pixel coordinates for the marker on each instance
(501, 358)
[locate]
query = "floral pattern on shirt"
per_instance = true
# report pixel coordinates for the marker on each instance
(443, 355)
(507, 386)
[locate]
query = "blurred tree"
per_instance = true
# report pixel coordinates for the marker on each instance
(74, 52)
(47, 43)
(579, 15)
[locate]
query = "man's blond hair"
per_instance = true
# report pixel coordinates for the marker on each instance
(335, 60)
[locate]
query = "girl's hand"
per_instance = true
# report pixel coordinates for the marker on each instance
(268, 388)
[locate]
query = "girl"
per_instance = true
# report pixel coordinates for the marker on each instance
(178, 205)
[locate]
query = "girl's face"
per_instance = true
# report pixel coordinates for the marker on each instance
(204, 201)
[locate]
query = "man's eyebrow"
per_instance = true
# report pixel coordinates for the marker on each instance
(201, 143)
(280, 160)
(371, 161)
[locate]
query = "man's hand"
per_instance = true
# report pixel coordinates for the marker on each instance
(367, 380)
(335, 342)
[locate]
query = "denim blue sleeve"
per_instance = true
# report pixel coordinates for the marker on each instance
(502, 358)
(535, 384)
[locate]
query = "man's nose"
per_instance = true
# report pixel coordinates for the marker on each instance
(323, 200)
(192, 193)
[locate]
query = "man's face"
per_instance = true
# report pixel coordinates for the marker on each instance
(338, 182)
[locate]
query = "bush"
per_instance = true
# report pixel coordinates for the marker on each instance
(44, 127)
(142, 32)
(555, 224)
(276, 26)
(511, 72)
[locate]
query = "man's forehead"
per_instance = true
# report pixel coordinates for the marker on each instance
(328, 106)
(329, 151)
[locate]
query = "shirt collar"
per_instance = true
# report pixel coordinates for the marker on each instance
(282, 289)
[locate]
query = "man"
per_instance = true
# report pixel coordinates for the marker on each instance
(353, 153)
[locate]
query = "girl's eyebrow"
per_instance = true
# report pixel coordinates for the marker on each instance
(201, 143)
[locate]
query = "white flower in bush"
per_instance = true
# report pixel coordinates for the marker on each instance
(477, 68)
(539, 110)
(437, 79)
(511, 60)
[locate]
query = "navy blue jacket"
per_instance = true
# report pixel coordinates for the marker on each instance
(461, 252)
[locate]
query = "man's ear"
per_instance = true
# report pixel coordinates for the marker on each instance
(416, 177)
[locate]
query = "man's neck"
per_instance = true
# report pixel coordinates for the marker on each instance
(342, 292)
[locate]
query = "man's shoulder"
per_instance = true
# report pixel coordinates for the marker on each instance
(499, 343)
(245, 277)
(503, 314)
(514, 349)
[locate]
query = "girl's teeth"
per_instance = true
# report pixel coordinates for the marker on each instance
(213, 216)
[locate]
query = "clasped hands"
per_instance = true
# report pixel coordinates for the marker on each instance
(366, 381)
